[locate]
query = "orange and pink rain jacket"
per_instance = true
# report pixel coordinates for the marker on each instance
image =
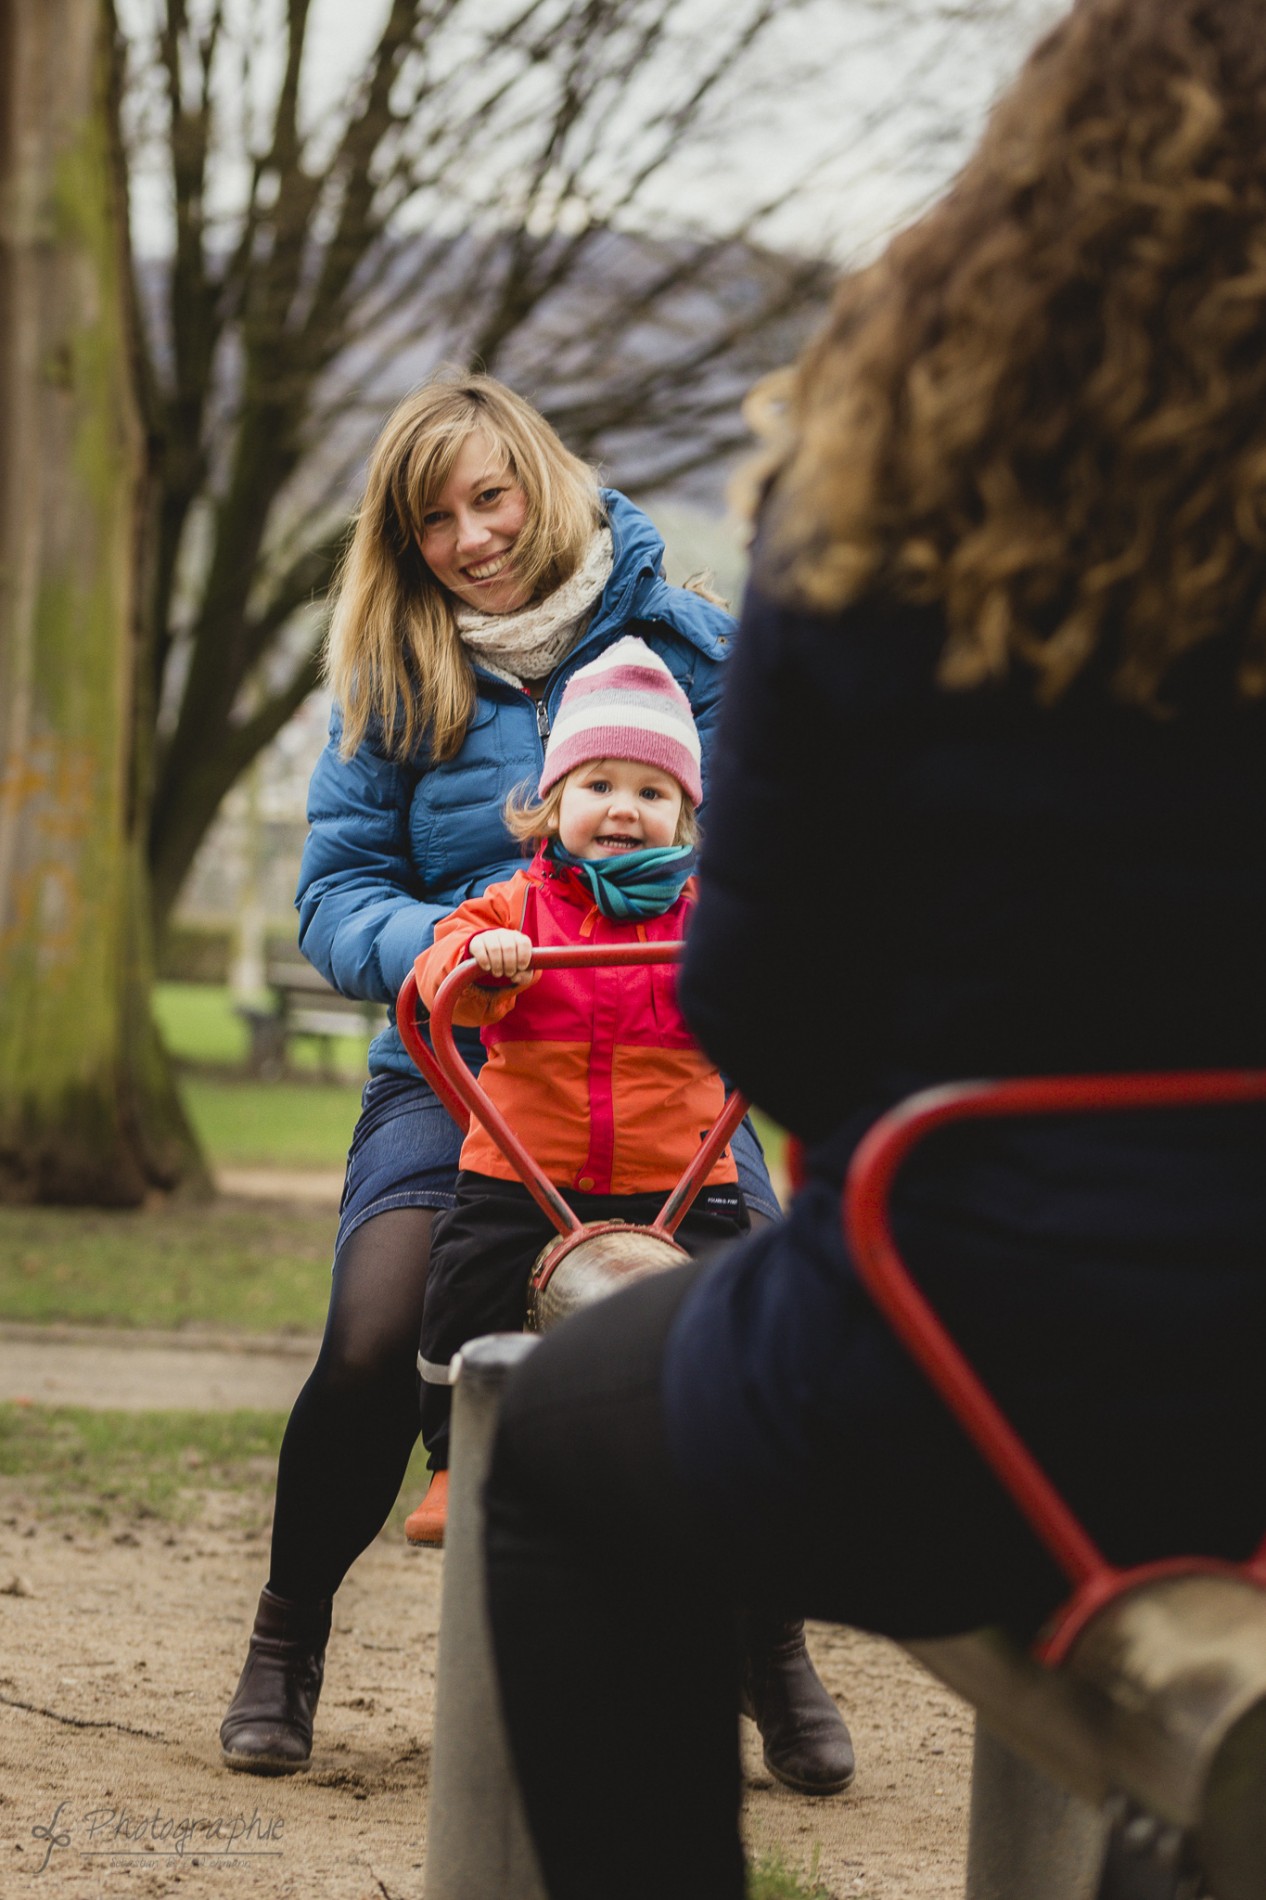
(594, 1069)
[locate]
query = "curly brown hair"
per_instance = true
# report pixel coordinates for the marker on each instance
(1044, 407)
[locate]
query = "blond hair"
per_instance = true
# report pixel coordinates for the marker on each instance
(393, 656)
(1044, 408)
(532, 820)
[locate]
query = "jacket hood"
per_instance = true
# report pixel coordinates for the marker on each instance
(638, 590)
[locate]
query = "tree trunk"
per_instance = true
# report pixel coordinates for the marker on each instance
(88, 1112)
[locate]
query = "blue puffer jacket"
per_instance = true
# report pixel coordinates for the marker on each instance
(394, 845)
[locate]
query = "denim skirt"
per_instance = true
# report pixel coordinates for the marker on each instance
(405, 1150)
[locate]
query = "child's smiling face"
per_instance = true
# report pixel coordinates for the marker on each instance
(611, 806)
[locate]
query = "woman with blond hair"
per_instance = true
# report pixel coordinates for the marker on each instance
(486, 567)
(1006, 640)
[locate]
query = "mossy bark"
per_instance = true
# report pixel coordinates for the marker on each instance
(88, 1112)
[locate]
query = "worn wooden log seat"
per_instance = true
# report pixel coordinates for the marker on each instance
(1155, 1720)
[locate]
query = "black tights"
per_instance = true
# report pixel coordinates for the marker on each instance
(356, 1420)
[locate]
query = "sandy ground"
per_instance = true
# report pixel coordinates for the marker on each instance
(120, 1647)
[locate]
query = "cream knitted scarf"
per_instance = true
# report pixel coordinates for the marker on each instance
(529, 644)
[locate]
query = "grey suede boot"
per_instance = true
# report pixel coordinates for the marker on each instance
(268, 1728)
(807, 1745)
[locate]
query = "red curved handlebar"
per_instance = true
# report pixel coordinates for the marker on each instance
(876, 1163)
(462, 1095)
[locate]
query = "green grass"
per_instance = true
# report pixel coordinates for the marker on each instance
(263, 1268)
(770, 1878)
(412, 1490)
(200, 1024)
(301, 1122)
(243, 1124)
(99, 1466)
(774, 1141)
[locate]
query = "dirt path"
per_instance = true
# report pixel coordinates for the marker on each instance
(120, 1647)
(196, 1371)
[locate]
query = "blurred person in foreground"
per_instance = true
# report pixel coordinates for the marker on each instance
(1007, 632)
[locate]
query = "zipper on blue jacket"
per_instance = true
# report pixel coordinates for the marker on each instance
(542, 717)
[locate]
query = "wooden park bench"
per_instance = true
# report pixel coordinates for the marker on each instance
(301, 1004)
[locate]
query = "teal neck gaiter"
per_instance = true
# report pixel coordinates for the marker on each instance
(635, 884)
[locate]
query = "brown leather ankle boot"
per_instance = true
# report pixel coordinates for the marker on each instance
(806, 1743)
(268, 1728)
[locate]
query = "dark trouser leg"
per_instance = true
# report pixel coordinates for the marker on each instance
(615, 1641)
(356, 1420)
(481, 1261)
(480, 1265)
(806, 1742)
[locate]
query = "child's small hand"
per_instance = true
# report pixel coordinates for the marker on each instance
(504, 953)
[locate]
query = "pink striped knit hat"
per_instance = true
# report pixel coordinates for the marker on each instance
(625, 705)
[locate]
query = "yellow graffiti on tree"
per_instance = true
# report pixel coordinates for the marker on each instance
(48, 814)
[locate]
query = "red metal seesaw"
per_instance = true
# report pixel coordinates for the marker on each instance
(463, 1097)
(867, 1191)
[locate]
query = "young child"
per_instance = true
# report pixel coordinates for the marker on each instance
(593, 1068)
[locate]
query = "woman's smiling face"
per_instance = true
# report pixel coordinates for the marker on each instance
(468, 533)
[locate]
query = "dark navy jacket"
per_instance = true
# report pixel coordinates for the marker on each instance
(395, 845)
(902, 885)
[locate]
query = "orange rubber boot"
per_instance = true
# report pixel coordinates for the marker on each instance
(426, 1524)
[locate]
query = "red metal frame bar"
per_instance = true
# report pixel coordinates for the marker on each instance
(463, 1096)
(679, 1202)
(414, 1041)
(880, 1155)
